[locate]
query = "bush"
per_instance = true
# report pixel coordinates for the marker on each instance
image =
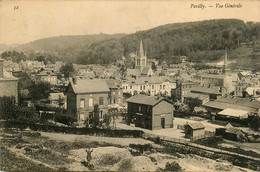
(157, 140)
(173, 166)
(141, 147)
(126, 165)
(109, 159)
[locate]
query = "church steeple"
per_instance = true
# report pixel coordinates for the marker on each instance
(141, 51)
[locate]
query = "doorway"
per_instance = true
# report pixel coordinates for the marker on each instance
(163, 122)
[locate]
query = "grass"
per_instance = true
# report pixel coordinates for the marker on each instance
(10, 162)
(126, 165)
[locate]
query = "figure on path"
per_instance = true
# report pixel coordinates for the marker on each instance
(89, 151)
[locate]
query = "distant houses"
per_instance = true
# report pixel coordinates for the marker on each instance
(150, 112)
(150, 85)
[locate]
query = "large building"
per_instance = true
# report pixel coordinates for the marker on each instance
(83, 94)
(47, 76)
(150, 112)
(142, 68)
(8, 83)
(151, 85)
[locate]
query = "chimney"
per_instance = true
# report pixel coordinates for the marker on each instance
(1, 68)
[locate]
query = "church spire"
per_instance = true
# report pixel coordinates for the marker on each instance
(141, 51)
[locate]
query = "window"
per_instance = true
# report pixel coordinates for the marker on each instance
(125, 87)
(82, 103)
(90, 102)
(114, 101)
(163, 86)
(144, 87)
(82, 116)
(148, 109)
(100, 114)
(160, 86)
(101, 101)
(90, 115)
(131, 87)
(140, 108)
(140, 87)
(152, 86)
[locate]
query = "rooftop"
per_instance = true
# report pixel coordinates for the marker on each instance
(196, 126)
(89, 86)
(146, 100)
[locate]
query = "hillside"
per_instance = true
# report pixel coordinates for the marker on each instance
(64, 43)
(201, 41)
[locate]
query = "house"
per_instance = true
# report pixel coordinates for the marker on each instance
(182, 89)
(8, 83)
(83, 94)
(150, 112)
(201, 98)
(194, 130)
(230, 107)
(231, 133)
(115, 96)
(151, 85)
(47, 76)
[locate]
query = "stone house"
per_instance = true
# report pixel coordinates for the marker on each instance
(83, 94)
(8, 83)
(150, 112)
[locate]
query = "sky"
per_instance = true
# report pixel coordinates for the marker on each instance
(27, 20)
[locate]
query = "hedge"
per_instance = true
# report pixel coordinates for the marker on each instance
(71, 130)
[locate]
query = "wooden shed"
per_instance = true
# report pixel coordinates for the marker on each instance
(194, 130)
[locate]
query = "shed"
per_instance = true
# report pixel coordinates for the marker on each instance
(194, 130)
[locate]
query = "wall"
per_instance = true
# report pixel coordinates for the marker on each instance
(9, 88)
(162, 110)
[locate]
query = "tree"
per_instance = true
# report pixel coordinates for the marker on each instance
(192, 103)
(154, 66)
(68, 70)
(24, 83)
(96, 121)
(39, 90)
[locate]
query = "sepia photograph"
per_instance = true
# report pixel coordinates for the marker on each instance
(130, 85)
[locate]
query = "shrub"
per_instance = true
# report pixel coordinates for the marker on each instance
(109, 159)
(126, 165)
(173, 166)
(157, 140)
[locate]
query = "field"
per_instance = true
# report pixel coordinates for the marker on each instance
(34, 151)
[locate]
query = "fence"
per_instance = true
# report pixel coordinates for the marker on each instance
(181, 127)
(206, 135)
(70, 130)
(198, 146)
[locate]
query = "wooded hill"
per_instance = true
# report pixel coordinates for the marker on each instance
(200, 41)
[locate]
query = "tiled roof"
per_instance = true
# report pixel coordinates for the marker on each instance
(145, 71)
(234, 112)
(146, 100)
(209, 90)
(112, 83)
(8, 76)
(150, 80)
(90, 86)
(135, 72)
(196, 95)
(195, 126)
(235, 103)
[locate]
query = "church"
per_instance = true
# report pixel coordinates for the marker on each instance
(142, 68)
